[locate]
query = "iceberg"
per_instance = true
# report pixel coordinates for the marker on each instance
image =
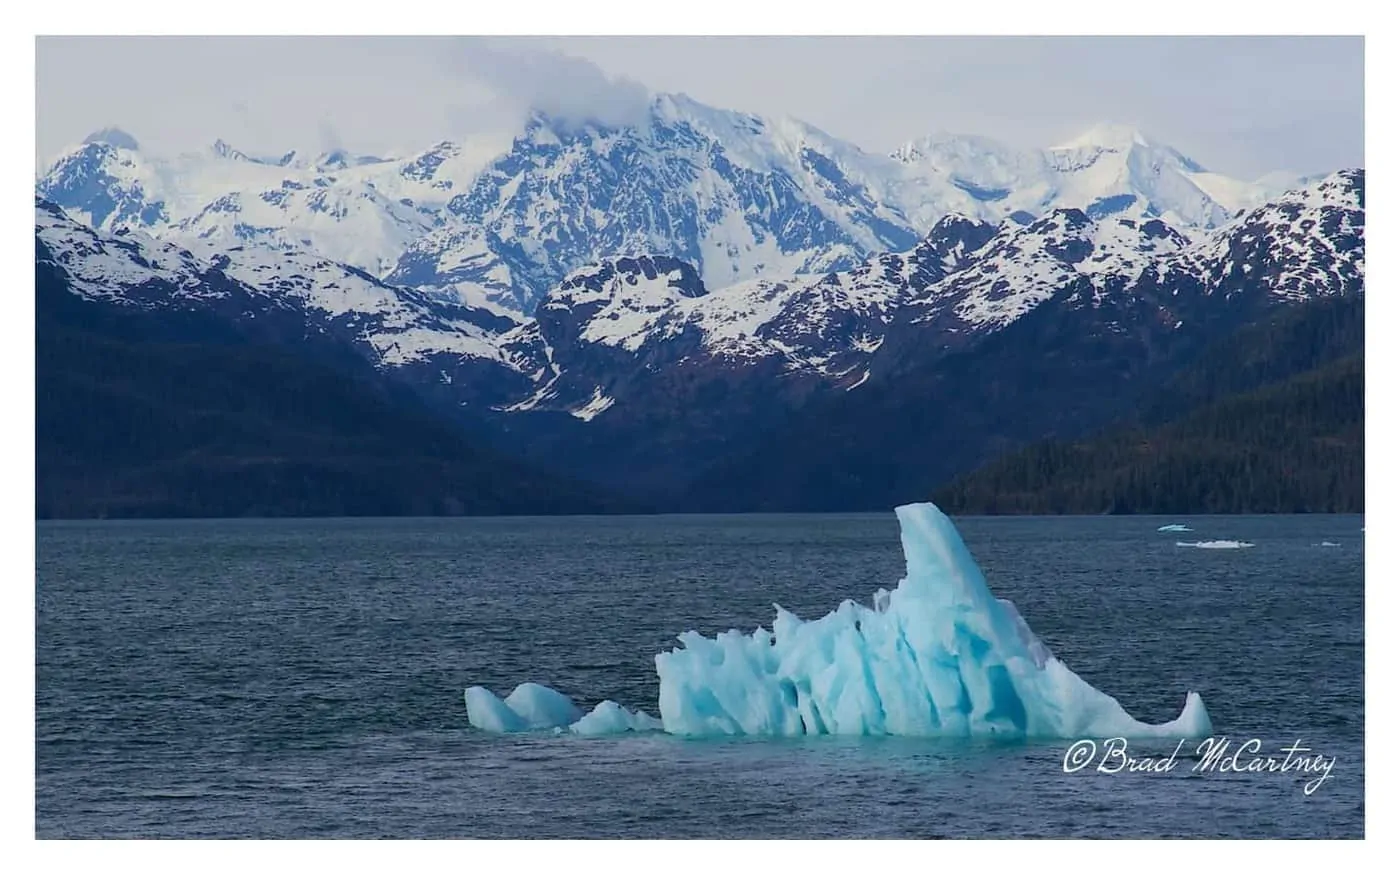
(1174, 527)
(1215, 545)
(939, 655)
(530, 706)
(610, 718)
(535, 706)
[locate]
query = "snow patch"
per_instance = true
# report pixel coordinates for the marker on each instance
(594, 406)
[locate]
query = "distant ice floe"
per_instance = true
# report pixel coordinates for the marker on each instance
(1329, 544)
(1174, 527)
(1215, 545)
(940, 655)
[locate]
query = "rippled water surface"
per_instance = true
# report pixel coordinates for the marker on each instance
(304, 678)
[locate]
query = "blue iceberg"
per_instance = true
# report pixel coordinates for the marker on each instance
(937, 656)
(530, 706)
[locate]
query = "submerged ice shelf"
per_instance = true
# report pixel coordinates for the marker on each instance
(937, 656)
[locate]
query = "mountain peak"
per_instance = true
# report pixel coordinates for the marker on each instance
(339, 159)
(677, 276)
(955, 223)
(1343, 189)
(113, 136)
(1107, 135)
(224, 150)
(940, 143)
(335, 159)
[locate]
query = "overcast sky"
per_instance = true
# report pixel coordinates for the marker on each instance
(1242, 106)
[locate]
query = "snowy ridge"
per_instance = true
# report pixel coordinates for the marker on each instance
(400, 326)
(1307, 243)
(109, 267)
(1023, 266)
(361, 210)
(619, 302)
(1109, 170)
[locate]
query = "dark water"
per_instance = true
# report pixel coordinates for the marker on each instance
(304, 678)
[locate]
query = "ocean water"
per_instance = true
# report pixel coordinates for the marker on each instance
(303, 679)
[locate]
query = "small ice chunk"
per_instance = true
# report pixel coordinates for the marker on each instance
(1215, 545)
(610, 718)
(541, 707)
(529, 706)
(1174, 527)
(485, 711)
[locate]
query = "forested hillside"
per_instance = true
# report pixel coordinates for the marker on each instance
(1294, 447)
(179, 415)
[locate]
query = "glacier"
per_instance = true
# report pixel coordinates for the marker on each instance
(939, 655)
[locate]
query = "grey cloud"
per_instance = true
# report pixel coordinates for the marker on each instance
(330, 139)
(1244, 106)
(571, 90)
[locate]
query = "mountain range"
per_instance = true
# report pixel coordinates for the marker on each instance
(735, 195)
(713, 310)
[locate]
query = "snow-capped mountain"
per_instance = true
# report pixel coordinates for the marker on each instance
(1021, 267)
(402, 326)
(498, 221)
(1307, 243)
(358, 210)
(623, 319)
(1109, 170)
(734, 195)
(609, 323)
(129, 267)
